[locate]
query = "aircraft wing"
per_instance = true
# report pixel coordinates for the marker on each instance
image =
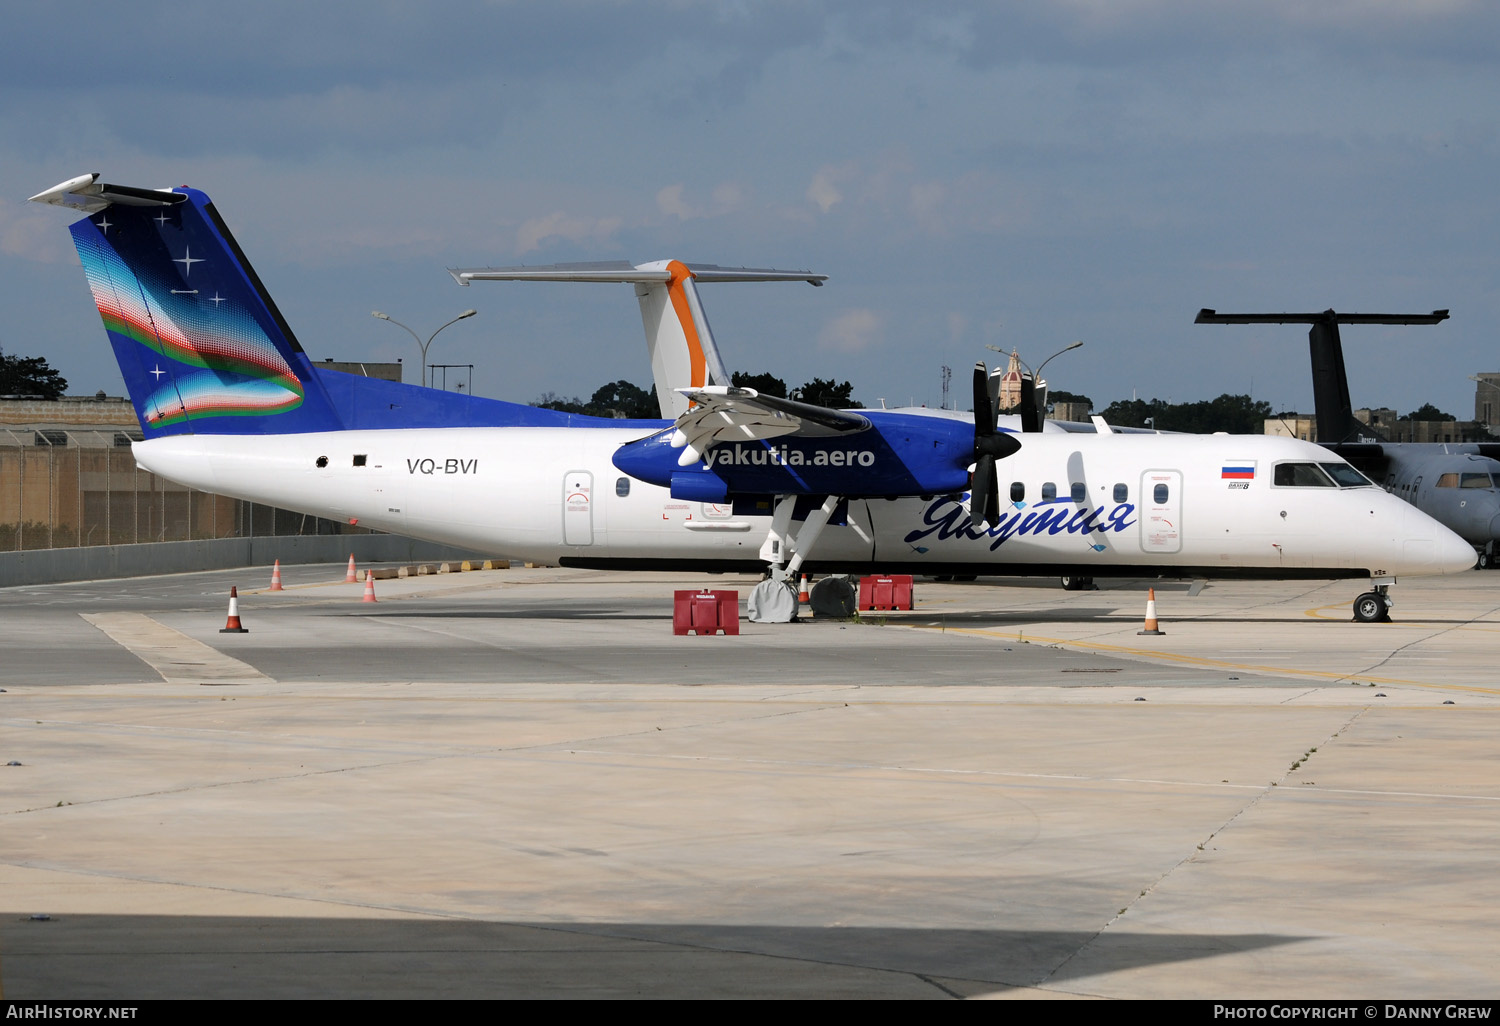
(723, 413)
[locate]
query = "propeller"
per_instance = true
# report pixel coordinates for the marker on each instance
(989, 445)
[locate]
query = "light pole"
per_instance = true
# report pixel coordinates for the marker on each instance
(420, 343)
(1067, 348)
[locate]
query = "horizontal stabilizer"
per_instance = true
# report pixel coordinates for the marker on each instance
(1207, 316)
(622, 271)
(88, 194)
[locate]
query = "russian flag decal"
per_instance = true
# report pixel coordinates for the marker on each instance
(1238, 470)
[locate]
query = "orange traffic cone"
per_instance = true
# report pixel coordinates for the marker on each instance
(276, 577)
(803, 598)
(1151, 613)
(352, 577)
(369, 586)
(232, 625)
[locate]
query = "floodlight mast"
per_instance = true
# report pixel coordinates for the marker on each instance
(422, 345)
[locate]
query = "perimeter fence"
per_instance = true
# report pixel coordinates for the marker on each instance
(67, 487)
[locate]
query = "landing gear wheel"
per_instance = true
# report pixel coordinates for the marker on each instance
(1078, 584)
(1371, 608)
(1486, 561)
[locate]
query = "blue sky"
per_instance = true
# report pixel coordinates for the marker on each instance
(1018, 175)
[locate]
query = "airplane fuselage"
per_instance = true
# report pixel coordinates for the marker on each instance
(1102, 505)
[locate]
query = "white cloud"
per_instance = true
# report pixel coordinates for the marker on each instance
(853, 331)
(823, 192)
(729, 196)
(671, 203)
(725, 198)
(558, 225)
(34, 234)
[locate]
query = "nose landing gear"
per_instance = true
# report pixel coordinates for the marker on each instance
(1373, 606)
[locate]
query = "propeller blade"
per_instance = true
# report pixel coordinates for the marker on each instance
(1030, 418)
(984, 410)
(984, 495)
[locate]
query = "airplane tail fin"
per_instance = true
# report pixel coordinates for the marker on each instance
(681, 344)
(1331, 403)
(202, 346)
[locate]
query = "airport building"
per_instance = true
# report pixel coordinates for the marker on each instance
(1394, 429)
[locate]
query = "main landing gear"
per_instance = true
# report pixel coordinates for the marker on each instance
(1373, 606)
(774, 600)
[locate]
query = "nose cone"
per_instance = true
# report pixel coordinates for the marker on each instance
(1454, 555)
(1425, 547)
(1443, 551)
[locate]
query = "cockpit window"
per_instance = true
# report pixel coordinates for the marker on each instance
(1347, 476)
(1300, 475)
(1475, 481)
(1448, 481)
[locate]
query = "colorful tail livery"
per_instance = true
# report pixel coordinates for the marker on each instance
(200, 343)
(202, 347)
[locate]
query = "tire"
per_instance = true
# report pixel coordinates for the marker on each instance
(1078, 583)
(1369, 608)
(1486, 561)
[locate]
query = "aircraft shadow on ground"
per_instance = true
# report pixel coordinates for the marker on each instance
(124, 957)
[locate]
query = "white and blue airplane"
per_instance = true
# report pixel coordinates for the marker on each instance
(230, 403)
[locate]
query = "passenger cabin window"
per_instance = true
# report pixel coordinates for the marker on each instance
(1049, 491)
(359, 459)
(1300, 475)
(1448, 481)
(1473, 481)
(622, 487)
(1122, 492)
(1080, 492)
(1160, 494)
(1017, 491)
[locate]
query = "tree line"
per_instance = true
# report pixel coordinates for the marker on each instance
(29, 376)
(626, 400)
(1237, 414)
